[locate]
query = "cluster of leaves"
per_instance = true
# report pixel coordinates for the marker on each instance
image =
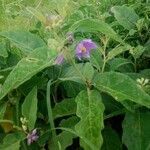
(97, 103)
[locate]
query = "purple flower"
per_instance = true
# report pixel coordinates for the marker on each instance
(84, 48)
(59, 60)
(32, 137)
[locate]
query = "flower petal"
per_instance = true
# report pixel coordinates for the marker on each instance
(84, 48)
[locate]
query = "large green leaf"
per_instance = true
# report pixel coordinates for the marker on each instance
(93, 25)
(110, 104)
(116, 63)
(64, 108)
(78, 73)
(121, 87)
(136, 134)
(126, 16)
(111, 140)
(37, 14)
(72, 73)
(26, 68)
(29, 108)
(90, 110)
(24, 39)
(12, 141)
(117, 50)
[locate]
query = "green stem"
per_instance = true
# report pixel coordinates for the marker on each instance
(50, 115)
(119, 112)
(135, 65)
(17, 112)
(104, 64)
(6, 121)
(116, 113)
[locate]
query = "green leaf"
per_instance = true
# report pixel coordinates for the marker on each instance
(4, 73)
(88, 71)
(2, 110)
(24, 39)
(121, 87)
(26, 68)
(72, 73)
(137, 51)
(64, 140)
(12, 141)
(71, 89)
(64, 108)
(78, 73)
(29, 108)
(126, 16)
(96, 59)
(69, 122)
(93, 25)
(116, 63)
(136, 128)
(37, 14)
(116, 51)
(110, 104)
(111, 140)
(3, 50)
(90, 110)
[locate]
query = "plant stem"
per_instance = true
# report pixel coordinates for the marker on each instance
(50, 115)
(135, 65)
(103, 67)
(116, 113)
(17, 112)
(6, 121)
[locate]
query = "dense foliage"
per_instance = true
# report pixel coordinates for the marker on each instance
(74, 74)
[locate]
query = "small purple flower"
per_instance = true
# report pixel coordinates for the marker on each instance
(59, 60)
(32, 137)
(84, 48)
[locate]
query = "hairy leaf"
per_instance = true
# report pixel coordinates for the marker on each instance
(69, 122)
(126, 16)
(24, 39)
(90, 110)
(12, 141)
(93, 25)
(116, 51)
(121, 87)
(78, 73)
(26, 68)
(64, 108)
(29, 108)
(116, 63)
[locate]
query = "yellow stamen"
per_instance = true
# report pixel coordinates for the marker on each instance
(83, 49)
